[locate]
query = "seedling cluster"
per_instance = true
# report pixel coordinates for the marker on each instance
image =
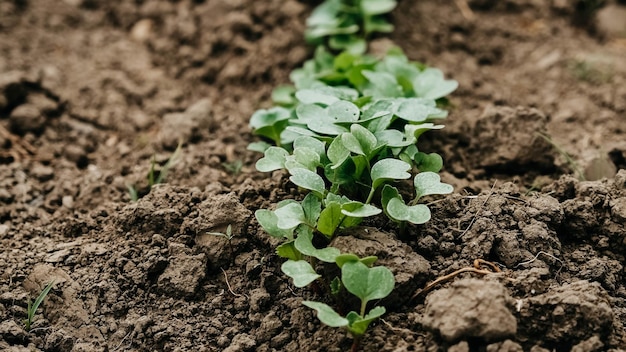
(345, 132)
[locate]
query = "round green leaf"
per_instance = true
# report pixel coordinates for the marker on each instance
(308, 179)
(326, 314)
(416, 214)
(289, 216)
(274, 159)
(300, 271)
(427, 183)
(389, 169)
(367, 283)
(344, 111)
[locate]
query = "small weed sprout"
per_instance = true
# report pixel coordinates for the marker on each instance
(233, 167)
(32, 307)
(155, 176)
(228, 236)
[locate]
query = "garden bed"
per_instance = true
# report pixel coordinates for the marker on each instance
(91, 91)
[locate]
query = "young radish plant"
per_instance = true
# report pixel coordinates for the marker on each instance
(346, 131)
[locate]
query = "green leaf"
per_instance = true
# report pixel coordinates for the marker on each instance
(416, 110)
(315, 96)
(377, 7)
(310, 112)
(382, 85)
(367, 283)
(349, 257)
(417, 130)
(326, 314)
(329, 219)
(399, 211)
(304, 243)
(273, 159)
(359, 210)
(428, 162)
(366, 139)
(303, 157)
(359, 325)
(326, 126)
(389, 169)
(270, 123)
(427, 183)
(260, 146)
(430, 84)
(283, 95)
(309, 180)
(335, 286)
(290, 215)
(344, 111)
(288, 250)
(394, 138)
(311, 143)
(312, 207)
(337, 153)
(269, 221)
(300, 271)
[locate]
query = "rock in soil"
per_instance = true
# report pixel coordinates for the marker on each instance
(471, 308)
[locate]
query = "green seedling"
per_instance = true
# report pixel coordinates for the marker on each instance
(233, 167)
(366, 283)
(32, 307)
(155, 176)
(345, 133)
(228, 235)
(346, 24)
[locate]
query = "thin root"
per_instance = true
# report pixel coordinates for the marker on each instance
(476, 269)
(230, 288)
(466, 11)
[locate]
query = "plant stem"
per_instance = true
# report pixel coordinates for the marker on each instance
(370, 196)
(363, 307)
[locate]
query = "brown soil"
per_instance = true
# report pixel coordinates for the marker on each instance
(91, 90)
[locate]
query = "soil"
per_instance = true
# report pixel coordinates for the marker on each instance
(92, 93)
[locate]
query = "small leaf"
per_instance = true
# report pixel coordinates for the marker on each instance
(382, 85)
(310, 112)
(300, 271)
(377, 7)
(416, 214)
(269, 221)
(309, 180)
(288, 250)
(337, 153)
(315, 96)
(430, 84)
(260, 146)
(303, 157)
(304, 243)
(389, 169)
(326, 126)
(344, 111)
(367, 283)
(274, 159)
(359, 210)
(428, 162)
(329, 219)
(366, 139)
(312, 207)
(359, 325)
(349, 257)
(326, 314)
(290, 215)
(427, 183)
(283, 95)
(416, 110)
(311, 143)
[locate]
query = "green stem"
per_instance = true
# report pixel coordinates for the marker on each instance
(363, 307)
(370, 196)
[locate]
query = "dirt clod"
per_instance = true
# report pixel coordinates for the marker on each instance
(471, 308)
